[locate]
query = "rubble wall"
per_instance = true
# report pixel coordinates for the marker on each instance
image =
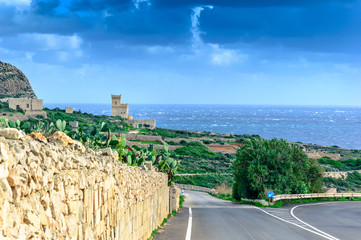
(51, 191)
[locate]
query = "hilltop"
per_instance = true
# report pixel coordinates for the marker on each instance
(14, 83)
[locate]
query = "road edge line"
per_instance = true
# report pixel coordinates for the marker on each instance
(293, 215)
(189, 228)
(317, 233)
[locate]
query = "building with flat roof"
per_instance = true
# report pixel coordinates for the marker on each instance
(119, 109)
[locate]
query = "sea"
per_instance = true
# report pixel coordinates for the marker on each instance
(323, 125)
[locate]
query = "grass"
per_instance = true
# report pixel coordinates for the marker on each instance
(208, 181)
(181, 200)
(343, 165)
(148, 142)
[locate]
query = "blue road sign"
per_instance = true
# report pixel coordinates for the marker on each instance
(270, 194)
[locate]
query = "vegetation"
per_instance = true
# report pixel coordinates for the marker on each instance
(351, 183)
(196, 158)
(4, 107)
(95, 133)
(344, 153)
(206, 180)
(148, 142)
(343, 165)
(195, 149)
(277, 165)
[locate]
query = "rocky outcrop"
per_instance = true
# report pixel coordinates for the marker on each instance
(13, 83)
(52, 191)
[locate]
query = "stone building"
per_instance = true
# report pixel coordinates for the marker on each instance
(69, 110)
(142, 123)
(119, 109)
(30, 106)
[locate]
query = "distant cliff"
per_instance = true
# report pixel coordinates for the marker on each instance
(13, 83)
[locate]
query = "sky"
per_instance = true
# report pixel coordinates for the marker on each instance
(279, 52)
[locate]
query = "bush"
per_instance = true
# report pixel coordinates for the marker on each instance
(351, 183)
(208, 180)
(196, 149)
(344, 165)
(276, 165)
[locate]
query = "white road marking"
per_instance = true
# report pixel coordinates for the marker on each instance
(189, 229)
(317, 231)
(293, 215)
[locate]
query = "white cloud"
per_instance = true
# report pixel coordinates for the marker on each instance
(106, 14)
(19, 4)
(159, 49)
(55, 42)
(197, 40)
(217, 55)
(137, 3)
(222, 56)
(15, 2)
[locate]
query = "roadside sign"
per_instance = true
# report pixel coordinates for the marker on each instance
(270, 194)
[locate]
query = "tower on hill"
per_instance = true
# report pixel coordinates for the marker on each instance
(119, 109)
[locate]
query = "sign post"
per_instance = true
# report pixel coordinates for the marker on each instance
(270, 196)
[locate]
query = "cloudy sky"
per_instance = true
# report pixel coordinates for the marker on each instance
(294, 52)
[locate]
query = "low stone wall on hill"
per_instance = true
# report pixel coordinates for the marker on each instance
(60, 190)
(138, 137)
(155, 146)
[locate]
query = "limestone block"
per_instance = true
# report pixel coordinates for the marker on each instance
(4, 170)
(78, 146)
(31, 218)
(72, 224)
(61, 138)
(12, 133)
(57, 206)
(5, 190)
(88, 233)
(105, 152)
(34, 147)
(37, 136)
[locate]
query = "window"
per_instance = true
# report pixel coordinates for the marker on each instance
(17, 107)
(27, 105)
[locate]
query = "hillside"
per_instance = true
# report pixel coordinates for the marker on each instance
(13, 83)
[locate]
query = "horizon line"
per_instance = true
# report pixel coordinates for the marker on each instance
(239, 104)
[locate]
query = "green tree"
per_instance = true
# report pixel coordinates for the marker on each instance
(273, 164)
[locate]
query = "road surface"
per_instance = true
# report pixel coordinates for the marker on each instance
(206, 217)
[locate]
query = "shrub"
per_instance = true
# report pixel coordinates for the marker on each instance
(196, 149)
(273, 164)
(344, 165)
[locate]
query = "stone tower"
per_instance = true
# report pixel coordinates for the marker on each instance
(119, 109)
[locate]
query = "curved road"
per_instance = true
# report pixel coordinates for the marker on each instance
(212, 218)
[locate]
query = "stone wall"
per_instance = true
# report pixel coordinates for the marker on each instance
(141, 123)
(138, 137)
(320, 154)
(60, 190)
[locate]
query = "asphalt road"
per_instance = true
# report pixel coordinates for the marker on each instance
(212, 218)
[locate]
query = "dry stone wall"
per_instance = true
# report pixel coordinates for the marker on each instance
(138, 137)
(60, 190)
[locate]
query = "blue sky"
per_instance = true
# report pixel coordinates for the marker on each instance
(289, 52)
